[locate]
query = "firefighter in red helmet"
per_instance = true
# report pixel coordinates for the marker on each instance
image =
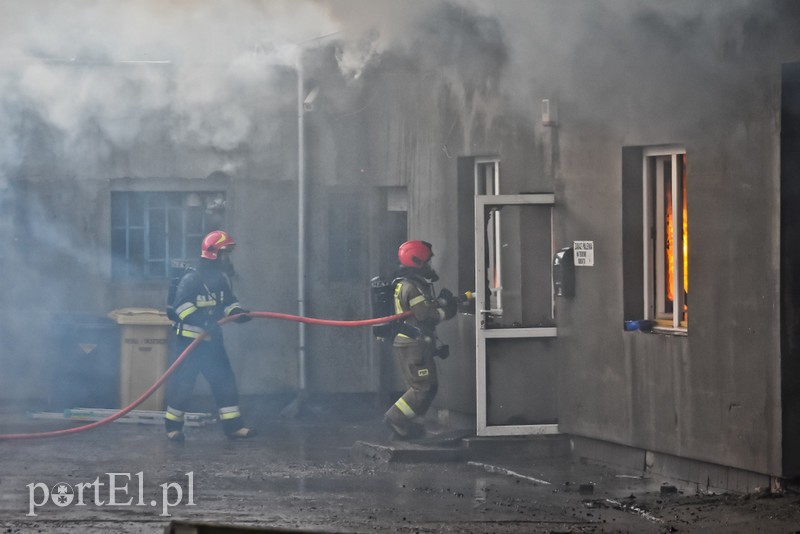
(415, 341)
(203, 297)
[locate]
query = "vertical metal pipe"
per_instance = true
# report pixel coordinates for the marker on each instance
(302, 201)
(301, 223)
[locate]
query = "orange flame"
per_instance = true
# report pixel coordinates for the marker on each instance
(685, 234)
(670, 249)
(670, 252)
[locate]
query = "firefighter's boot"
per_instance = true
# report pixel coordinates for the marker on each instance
(241, 433)
(173, 424)
(403, 429)
(400, 418)
(233, 425)
(176, 436)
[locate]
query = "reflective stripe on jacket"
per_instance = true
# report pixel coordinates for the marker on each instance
(417, 296)
(203, 296)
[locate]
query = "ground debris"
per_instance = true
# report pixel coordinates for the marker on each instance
(633, 509)
(668, 489)
(298, 475)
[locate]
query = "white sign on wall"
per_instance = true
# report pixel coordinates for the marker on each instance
(583, 253)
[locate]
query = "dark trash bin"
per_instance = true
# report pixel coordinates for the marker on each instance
(84, 363)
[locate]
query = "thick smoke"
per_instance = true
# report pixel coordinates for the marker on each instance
(581, 52)
(113, 72)
(103, 75)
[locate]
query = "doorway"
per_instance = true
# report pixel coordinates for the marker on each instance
(790, 267)
(393, 232)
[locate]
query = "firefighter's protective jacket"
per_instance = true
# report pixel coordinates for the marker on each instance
(203, 297)
(418, 295)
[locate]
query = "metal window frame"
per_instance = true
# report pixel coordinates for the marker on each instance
(149, 207)
(654, 242)
(490, 186)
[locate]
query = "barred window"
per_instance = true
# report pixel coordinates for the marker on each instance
(153, 233)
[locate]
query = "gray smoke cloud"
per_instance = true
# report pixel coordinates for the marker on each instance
(105, 74)
(111, 72)
(581, 52)
(90, 79)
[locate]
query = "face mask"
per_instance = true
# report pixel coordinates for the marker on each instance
(226, 264)
(428, 273)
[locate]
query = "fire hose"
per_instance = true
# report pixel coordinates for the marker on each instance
(152, 389)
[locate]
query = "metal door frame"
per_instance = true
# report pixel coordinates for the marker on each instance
(482, 334)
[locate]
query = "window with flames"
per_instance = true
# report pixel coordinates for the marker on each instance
(666, 225)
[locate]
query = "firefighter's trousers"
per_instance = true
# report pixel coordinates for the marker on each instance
(419, 373)
(210, 359)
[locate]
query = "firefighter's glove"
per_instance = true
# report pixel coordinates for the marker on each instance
(443, 351)
(448, 302)
(242, 318)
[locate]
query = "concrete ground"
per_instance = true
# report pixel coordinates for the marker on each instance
(333, 468)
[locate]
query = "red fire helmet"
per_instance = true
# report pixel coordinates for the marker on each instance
(415, 253)
(215, 242)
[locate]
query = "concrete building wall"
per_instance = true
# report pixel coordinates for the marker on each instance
(713, 395)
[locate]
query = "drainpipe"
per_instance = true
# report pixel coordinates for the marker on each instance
(291, 409)
(301, 223)
(294, 406)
